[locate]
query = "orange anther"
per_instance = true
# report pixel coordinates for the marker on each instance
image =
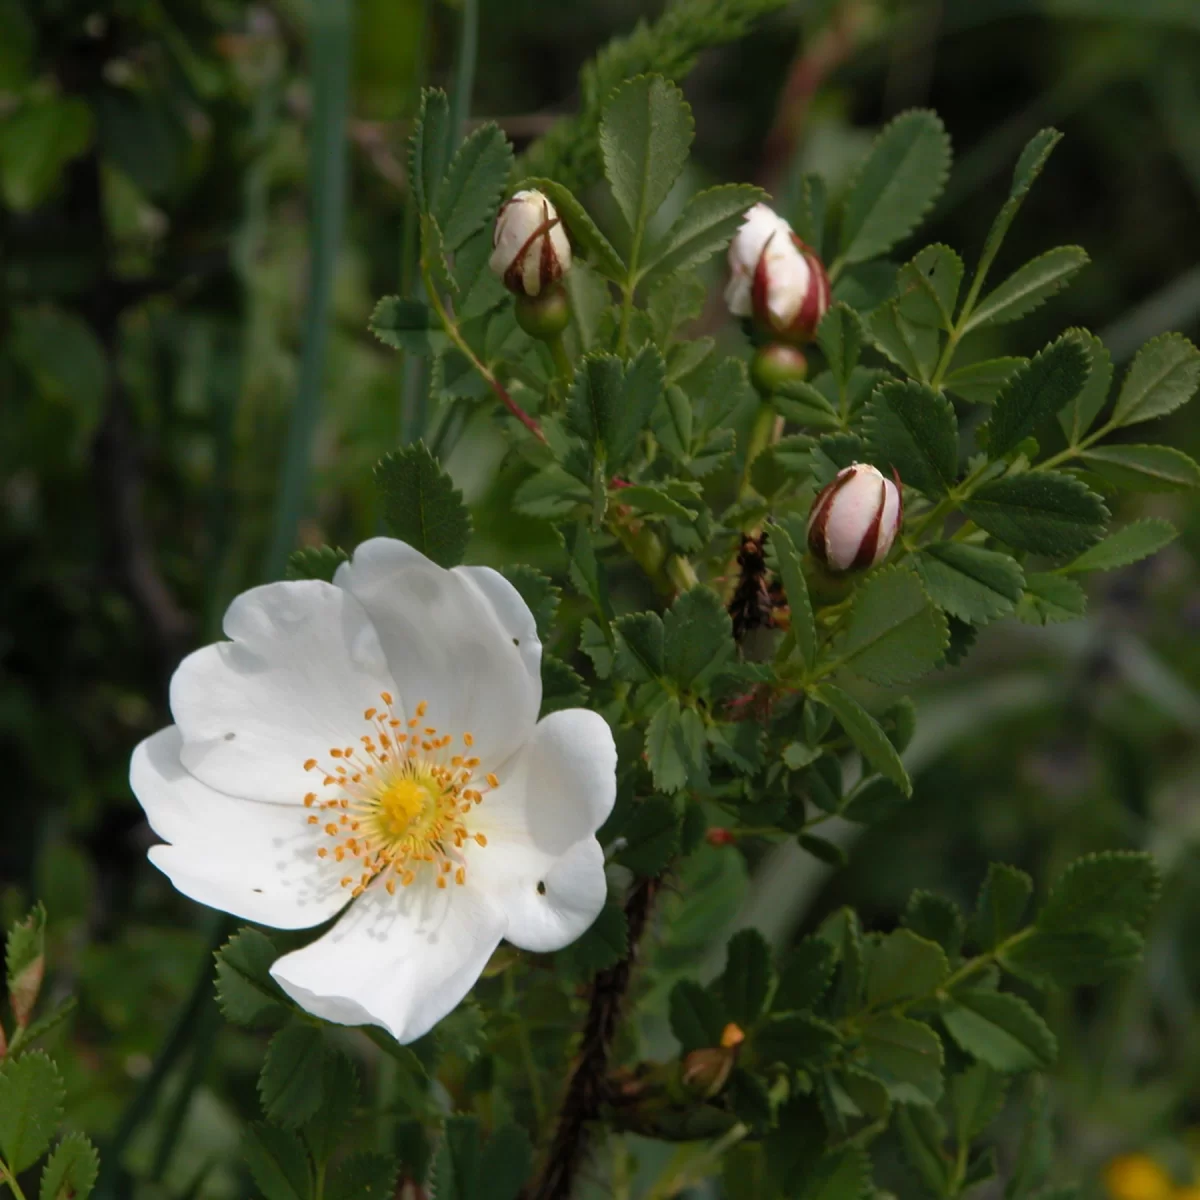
(322, 852)
(369, 713)
(460, 876)
(331, 829)
(481, 839)
(335, 752)
(314, 820)
(422, 708)
(386, 697)
(391, 887)
(441, 880)
(492, 780)
(310, 799)
(309, 764)
(468, 739)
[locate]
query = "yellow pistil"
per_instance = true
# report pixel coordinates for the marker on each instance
(399, 800)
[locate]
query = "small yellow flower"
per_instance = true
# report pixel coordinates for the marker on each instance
(1138, 1177)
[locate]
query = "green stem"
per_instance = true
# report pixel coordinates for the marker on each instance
(330, 42)
(9, 1177)
(762, 434)
(1078, 448)
(319, 1187)
(647, 551)
(562, 360)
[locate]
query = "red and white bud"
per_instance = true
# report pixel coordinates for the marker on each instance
(855, 518)
(530, 248)
(776, 278)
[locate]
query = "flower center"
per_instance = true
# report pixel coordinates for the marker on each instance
(398, 803)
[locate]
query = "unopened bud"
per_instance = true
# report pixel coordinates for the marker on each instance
(530, 248)
(775, 365)
(544, 316)
(855, 519)
(776, 278)
(705, 1072)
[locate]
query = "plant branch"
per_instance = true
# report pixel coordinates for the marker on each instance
(586, 1089)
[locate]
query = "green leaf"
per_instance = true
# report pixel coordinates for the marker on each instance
(911, 428)
(1001, 1030)
(1035, 393)
(708, 220)
(976, 1098)
(644, 498)
(421, 505)
(456, 1167)
(245, 990)
(1086, 956)
(363, 1177)
(928, 287)
(594, 397)
(876, 800)
(507, 1163)
(428, 149)
(562, 686)
(896, 185)
(641, 388)
(278, 1162)
(291, 1083)
(36, 143)
(645, 134)
(70, 1172)
(937, 919)
(1001, 907)
(805, 976)
(1116, 885)
(981, 382)
(641, 652)
(810, 212)
(1137, 540)
(1029, 287)
(315, 562)
(406, 325)
(913, 348)
(585, 234)
(795, 588)
(1144, 468)
(324, 1130)
(651, 835)
(698, 637)
(1045, 512)
(695, 1016)
(550, 493)
(802, 403)
(902, 967)
(474, 183)
(970, 583)
(665, 751)
(25, 963)
(822, 849)
(603, 945)
(864, 731)
(1050, 599)
(747, 978)
(1164, 375)
(894, 633)
(840, 336)
(31, 1100)
(906, 1056)
(539, 594)
(1037, 1143)
(841, 1174)
(922, 1133)
(797, 1039)
(1077, 417)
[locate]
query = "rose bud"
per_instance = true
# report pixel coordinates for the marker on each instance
(855, 519)
(531, 251)
(776, 278)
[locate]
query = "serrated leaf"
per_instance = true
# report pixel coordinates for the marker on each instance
(1029, 287)
(1035, 393)
(747, 978)
(641, 387)
(550, 493)
(31, 1100)
(651, 836)
(796, 1039)
(245, 990)
(585, 234)
(708, 221)
(562, 686)
(970, 583)
(895, 186)
(922, 1133)
(640, 651)
(1164, 375)
(70, 1172)
(1049, 599)
(456, 1165)
(421, 505)
(428, 149)
(902, 966)
(805, 975)
(323, 1132)
(1085, 956)
(913, 348)
(981, 382)
(695, 1015)
(474, 183)
(976, 1098)
(698, 637)
(277, 1161)
(906, 1055)
(894, 633)
(25, 963)
(1077, 417)
(404, 324)
(802, 403)
(646, 131)
(291, 1085)
(539, 594)
(865, 732)
(928, 287)
(507, 1163)
(911, 428)
(1044, 512)
(937, 919)
(1001, 907)
(1137, 540)
(645, 498)
(840, 336)
(362, 1177)
(603, 945)
(824, 850)
(1001, 1030)
(1144, 468)
(1116, 885)
(795, 588)
(841, 1174)
(315, 562)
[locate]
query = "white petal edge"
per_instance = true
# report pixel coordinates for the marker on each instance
(462, 640)
(257, 861)
(402, 961)
(303, 664)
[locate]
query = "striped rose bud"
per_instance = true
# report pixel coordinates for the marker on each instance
(530, 248)
(855, 519)
(776, 278)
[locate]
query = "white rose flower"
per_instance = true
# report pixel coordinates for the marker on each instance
(855, 518)
(374, 745)
(530, 247)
